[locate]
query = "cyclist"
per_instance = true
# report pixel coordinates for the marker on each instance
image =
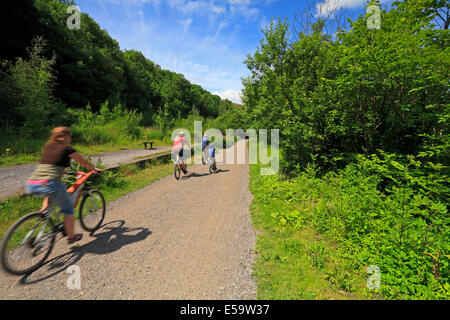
(45, 181)
(210, 151)
(178, 147)
(205, 143)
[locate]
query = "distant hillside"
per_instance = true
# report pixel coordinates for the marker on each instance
(89, 67)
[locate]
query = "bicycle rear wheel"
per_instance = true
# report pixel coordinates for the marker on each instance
(212, 168)
(177, 172)
(27, 244)
(92, 210)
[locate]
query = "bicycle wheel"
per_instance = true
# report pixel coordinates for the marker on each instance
(92, 210)
(177, 171)
(27, 244)
(212, 168)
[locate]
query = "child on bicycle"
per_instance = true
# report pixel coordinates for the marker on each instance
(205, 143)
(208, 149)
(45, 181)
(178, 147)
(211, 153)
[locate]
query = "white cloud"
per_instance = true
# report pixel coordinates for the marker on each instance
(200, 6)
(326, 7)
(155, 3)
(240, 2)
(230, 94)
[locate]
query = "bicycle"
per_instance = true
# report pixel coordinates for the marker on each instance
(210, 159)
(212, 165)
(32, 237)
(177, 168)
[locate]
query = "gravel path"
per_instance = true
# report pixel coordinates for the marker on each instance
(14, 178)
(186, 239)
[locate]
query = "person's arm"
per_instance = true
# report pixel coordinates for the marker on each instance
(78, 158)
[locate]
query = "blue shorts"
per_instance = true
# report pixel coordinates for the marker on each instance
(56, 191)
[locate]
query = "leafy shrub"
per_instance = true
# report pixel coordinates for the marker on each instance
(114, 125)
(104, 180)
(385, 210)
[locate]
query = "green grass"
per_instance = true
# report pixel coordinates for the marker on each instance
(15, 150)
(13, 208)
(294, 261)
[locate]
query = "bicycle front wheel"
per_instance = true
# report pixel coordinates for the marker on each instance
(27, 244)
(92, 210)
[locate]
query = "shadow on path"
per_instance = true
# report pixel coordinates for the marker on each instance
(109, 238)
(199, 175)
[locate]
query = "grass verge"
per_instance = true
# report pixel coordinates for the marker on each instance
(294, 261)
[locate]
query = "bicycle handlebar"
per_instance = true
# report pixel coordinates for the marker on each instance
(81, 173)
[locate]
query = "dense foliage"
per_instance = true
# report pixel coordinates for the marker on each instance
(403, 229)
(368, 110)
(365, 90)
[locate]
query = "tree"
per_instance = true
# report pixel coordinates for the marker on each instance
(367, 90)
(31, 83)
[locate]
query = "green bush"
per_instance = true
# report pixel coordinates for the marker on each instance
(114, 125)
(107, 179)
(384, 210)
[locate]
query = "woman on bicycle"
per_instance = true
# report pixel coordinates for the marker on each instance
(178, 147)
(46, 179)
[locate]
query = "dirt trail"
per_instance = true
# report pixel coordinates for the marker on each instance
(186, 239)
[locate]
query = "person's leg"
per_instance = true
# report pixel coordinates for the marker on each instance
(62, 199)
(69, 220)
(182, 164)
(45, 203)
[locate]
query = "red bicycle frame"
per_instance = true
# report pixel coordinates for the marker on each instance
(78, 185)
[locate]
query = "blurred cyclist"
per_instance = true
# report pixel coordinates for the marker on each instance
(46, 179)
(205, 143)
(178, 146)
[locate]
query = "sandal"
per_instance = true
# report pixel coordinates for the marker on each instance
(74, 238)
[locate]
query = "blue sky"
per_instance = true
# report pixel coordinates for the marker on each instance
(205, 40)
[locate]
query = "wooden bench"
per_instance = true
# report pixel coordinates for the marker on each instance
(146, 143)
